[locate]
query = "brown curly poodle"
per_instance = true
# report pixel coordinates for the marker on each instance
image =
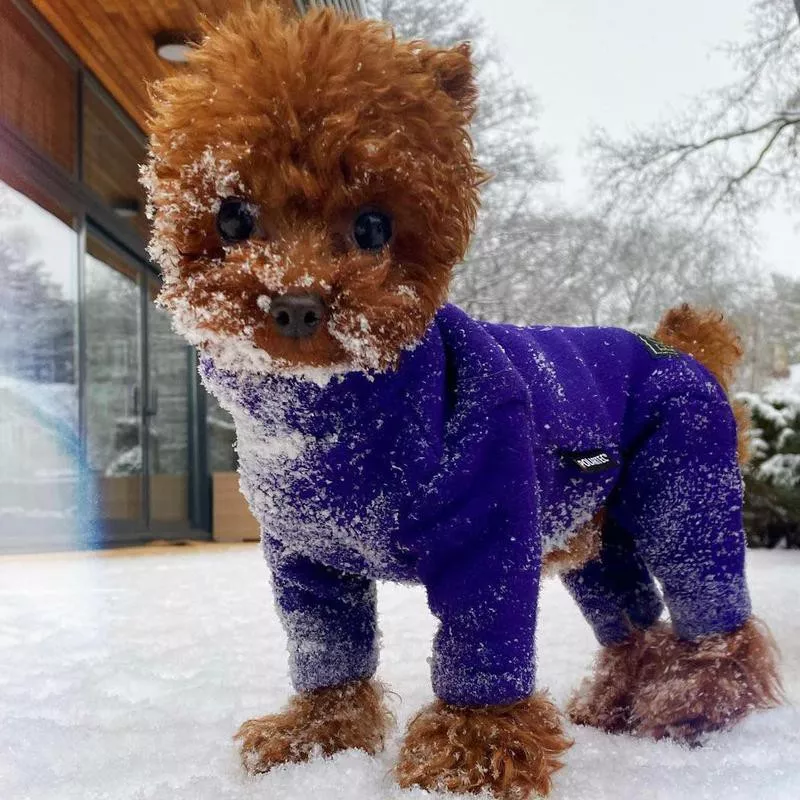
(272, 155)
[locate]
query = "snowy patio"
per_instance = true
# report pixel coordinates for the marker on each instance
(124, 675)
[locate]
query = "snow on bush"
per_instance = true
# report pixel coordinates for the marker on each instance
(775, 435)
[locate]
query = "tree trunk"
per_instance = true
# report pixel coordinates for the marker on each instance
(797, 6)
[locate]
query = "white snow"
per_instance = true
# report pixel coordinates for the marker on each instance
(125, 675)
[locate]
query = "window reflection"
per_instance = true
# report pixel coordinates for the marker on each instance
(168, 418)
(112, 313)
(42, 489)
(221, 438)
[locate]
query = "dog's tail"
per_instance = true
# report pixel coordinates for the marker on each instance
(708, 337)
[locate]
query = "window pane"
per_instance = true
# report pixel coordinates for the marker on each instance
(42, 491)
(112, 152)
(168, 418)
(113, 383)
(221, 438)
(37, 88)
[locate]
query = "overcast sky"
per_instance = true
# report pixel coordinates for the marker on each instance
(623, 63)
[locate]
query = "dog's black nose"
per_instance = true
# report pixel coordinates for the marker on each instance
(297, 315)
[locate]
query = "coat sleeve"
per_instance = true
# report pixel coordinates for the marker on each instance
(485, 600)
(329, 618)
(478, 537)
(482, 560)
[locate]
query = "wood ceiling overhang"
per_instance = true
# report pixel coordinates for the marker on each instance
(115, 39)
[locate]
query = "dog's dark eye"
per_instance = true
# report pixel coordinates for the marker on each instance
(372, 230)
(235, 220)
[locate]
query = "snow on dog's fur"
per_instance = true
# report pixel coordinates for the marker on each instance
(325, 117)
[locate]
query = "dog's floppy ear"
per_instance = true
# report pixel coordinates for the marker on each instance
(454, 72)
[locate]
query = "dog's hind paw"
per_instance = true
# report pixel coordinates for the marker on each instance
(510, 750)
(325, 721)
(687, 689)
(604, 699)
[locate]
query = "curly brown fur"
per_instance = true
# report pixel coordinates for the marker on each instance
(742, 414)
(583, 547)
(311, 120)
(352, 716)
(706, 335)
(605, 699)
(686, 689)
(510, 750)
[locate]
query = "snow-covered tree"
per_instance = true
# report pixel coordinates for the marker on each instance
(775, 436)
(37, 323)
(772, 479)
(584, 269)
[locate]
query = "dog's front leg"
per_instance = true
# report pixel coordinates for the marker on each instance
(330, 621)
(487, 730)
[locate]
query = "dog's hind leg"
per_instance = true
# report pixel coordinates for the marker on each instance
(681, 498)
(619, 599)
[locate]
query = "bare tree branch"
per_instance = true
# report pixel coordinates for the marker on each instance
(733, 152)
(527, 265)
(733, 182)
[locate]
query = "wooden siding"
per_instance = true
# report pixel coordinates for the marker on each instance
(37, 88)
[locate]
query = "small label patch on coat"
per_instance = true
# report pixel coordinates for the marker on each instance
(657, 349)
(591, 460)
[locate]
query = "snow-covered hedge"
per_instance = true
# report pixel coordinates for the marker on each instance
(775, 436)
(772, 479)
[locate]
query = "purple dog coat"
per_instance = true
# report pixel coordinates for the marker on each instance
(487, 447)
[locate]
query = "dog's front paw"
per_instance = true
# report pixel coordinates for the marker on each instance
(352, 716)
(510, 750)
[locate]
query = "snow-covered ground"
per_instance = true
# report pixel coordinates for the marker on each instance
(124, 675)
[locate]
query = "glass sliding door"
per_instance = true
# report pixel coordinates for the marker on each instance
(136, 400)
(113, 388)
(167, 412)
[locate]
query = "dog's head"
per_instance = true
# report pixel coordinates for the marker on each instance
(312, 184)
